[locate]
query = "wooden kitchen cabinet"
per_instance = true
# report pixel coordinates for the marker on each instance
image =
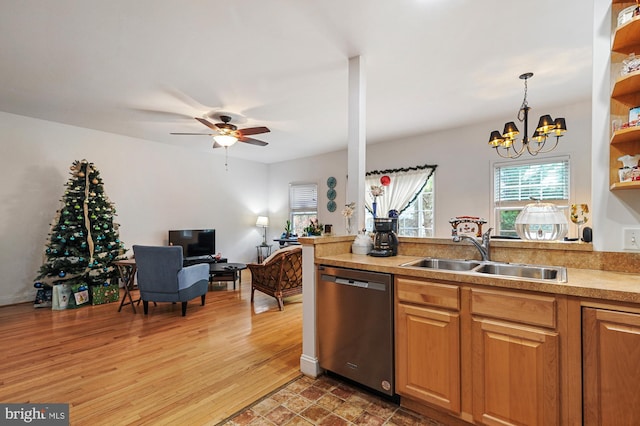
(515, 374)
(428, 342)
(488, 356)
(515, 358)
(611, 367)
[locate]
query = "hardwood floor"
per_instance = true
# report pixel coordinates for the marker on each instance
(117, 368)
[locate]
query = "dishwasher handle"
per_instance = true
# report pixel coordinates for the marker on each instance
(354, 283)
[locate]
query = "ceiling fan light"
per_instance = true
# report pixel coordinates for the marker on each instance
(496, 138)
(510, 130)
(225, 140)
(545, 124)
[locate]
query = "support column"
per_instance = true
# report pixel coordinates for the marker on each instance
(309, 364)
(356, 152)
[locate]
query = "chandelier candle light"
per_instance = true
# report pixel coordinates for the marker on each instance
(504, 143)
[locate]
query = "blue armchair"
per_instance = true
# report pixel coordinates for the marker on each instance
(162, 278)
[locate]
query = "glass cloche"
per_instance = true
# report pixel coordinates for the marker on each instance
(541, 222)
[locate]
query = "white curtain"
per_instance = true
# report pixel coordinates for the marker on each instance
(403, 188)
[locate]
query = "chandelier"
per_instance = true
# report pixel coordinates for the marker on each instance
(505, 142)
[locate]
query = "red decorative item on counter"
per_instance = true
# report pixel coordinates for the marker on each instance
(385, 180)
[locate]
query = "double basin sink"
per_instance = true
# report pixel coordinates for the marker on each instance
(499, 269)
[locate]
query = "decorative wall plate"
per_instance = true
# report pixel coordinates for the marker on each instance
(331, 194)
(331, 206)
(331, 182)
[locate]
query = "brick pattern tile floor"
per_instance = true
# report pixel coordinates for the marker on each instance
(325, 401)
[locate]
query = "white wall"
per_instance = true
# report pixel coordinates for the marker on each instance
(307, 170)
(463, 177)
(155, 187)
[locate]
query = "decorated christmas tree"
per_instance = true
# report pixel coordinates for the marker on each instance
(84, 240)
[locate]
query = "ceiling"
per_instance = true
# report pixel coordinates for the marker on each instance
(145, 68)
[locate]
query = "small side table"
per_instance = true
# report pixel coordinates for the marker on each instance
(264, 251)
(226, 272)
(127, 269)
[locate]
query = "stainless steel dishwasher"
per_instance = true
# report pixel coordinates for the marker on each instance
(355, 326)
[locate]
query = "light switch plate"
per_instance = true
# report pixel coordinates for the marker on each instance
(631, 238)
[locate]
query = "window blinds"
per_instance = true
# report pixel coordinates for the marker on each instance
(303, 197)
(543, 181)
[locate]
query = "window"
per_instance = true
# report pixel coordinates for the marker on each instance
(303, 205)
(417, 219)
(515, 185)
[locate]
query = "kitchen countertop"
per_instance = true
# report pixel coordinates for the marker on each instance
(597, 284)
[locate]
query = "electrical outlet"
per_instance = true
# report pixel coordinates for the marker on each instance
(631, 239)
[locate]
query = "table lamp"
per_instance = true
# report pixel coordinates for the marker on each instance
(264, 222)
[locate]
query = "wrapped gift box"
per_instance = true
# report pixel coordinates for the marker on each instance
(43, 298)
(80, 294)
(104, 293)
(62, 297)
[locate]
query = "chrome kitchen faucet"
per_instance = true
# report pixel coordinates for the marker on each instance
(483, 247)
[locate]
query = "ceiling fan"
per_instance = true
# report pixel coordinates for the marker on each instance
(226, 134)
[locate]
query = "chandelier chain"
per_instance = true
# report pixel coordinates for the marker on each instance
(524, 105)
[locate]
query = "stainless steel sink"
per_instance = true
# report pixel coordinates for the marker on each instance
(446, 264)
(556, 273)
(500, 269)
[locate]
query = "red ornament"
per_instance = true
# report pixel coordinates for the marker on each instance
(385, 180)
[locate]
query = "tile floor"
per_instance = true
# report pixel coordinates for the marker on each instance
(325, 401)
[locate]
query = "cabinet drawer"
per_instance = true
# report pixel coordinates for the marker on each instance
(517, 307)
(428, 293)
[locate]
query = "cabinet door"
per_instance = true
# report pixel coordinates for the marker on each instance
(515, 374)
(611, 367)
(428, 355)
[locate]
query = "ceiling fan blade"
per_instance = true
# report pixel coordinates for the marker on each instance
(253, 141)
(254, 130)
(207, 123)
(201, 134)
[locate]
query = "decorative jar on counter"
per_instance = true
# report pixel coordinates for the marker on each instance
(542, 222)
(362, 244)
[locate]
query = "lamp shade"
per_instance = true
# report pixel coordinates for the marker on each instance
(537, 136)
(496, 138)
(262, 221)
(510, 130)
(545, 124)
(560, 126)
(225, 140)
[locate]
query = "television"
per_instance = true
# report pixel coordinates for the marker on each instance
(194, 242)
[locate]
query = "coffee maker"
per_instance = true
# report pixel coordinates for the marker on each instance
(385, 241)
